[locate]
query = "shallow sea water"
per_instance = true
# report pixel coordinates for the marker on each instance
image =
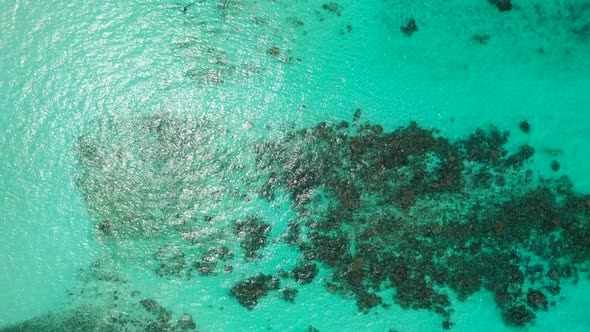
(130, 133)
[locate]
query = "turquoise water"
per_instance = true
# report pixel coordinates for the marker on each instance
(137, 136)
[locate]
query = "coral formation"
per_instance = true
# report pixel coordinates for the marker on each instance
(249, 291)
(104, 303)
(406, 209)
(155, 176)
(414, 211)
(252, 233)
(332, 7)
(409, 28)
(502, 5)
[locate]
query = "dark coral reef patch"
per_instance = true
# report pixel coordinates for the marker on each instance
(249, 291)
(408, 210)
(425, 215)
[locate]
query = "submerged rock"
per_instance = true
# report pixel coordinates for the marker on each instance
(304, 273)
(288, 294)
(332, 7)
(481, 39)
(502, 5)
(409, 28)
(253, 234)
(393, 203)
(148, 316)
(249, 291)
(185, 322)
(171, 259)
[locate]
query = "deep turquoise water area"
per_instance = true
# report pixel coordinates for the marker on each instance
(238, 165)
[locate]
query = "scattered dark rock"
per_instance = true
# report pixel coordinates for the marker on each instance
(447, 325)
(332, 7)
(288, 294)
(409, 28)
(502, 5)
(207, 265)
(377, 227)
(274, 51)
(295, 22)
(268, 189)
(524, 153)
(381, 209)
(171, 259)
(283, 273)
(330, 250)
(377, 129)
(357, 115)
(223, 253)
(151, 306)
(304, 273)
(252, 233)
(249, 291)
(583, 32)
(185, 322)
(93, 317)
(486, 147)
(162, 316)
(536, 300)
(293, 231)
(349, 28)
(481, 39)
(517, 316)
(555, 166)
(524, 126)
(366, 300)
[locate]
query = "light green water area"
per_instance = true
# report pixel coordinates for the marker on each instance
(273, 165)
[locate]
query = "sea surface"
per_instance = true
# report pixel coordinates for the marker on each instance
(274, 165)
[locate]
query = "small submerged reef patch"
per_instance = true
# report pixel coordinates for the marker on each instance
(147, 315)
(150, 177)
(502, 5)
(253, 233)
(409, 28)
(248, 292)
(410, 211)
(105, 302)
(426, 216)
(205, 40)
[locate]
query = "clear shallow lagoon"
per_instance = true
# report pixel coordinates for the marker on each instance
(130, 135)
